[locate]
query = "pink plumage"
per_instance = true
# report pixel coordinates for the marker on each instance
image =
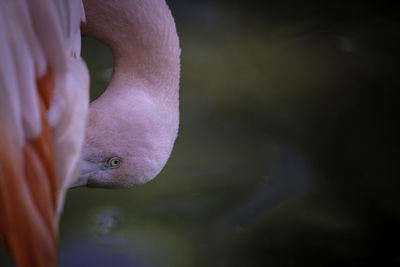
(128, 134)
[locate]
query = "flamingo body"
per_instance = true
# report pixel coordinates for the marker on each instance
(39, 112)
(50, 139)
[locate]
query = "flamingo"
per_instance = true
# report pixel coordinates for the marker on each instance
(51, 139)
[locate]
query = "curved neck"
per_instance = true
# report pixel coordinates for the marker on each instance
(142, 36)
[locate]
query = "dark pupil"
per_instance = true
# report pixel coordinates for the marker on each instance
(115, 162)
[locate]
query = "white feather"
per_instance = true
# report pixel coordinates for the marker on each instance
(47, 24)
(38, 55)
(10, 108)
(69, 108)
(69, 133)
(22, 55)
(39, 36)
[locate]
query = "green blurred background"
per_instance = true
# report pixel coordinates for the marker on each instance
(287, 151)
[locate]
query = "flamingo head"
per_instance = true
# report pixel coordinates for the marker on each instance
(132, 126)
(128, 143)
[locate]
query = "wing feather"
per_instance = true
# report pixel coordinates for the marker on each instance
(26, 83)
(27, 235)
(10, 107)
(44, 87)
(69, 134)
(46, 21)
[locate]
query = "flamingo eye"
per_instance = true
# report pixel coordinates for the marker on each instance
(114, 162)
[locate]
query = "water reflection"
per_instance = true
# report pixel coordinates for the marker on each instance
(107, 224)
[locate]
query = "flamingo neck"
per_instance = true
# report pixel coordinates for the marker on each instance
(144, 42)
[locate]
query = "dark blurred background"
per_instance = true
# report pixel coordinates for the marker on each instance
(288, 147)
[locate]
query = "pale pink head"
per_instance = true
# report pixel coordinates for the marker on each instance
(133, 125)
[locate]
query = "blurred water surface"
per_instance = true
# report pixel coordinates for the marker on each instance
(287, 150)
